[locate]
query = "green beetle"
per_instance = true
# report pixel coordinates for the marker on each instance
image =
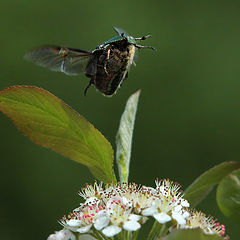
(106, 66)
(122, 36)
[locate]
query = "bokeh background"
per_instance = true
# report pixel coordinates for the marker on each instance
(188, 118)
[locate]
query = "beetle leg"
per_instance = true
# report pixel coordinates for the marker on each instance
(90, 83)
(105, 68)
(108, 53)
(105, 62)
(143, 37)
(140, 46)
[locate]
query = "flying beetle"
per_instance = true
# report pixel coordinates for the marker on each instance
(107, 65)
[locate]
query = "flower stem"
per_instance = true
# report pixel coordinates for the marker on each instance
(99, 235)
(135, 235)
(123, 235)
(156, 231)
(96, 235)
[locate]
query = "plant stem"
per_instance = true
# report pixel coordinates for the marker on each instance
(156, 231)
(96, 235)
(100, 236)
(124, 235)
(135, 235)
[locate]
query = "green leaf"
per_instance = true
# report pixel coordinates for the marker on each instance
(228, 196)
(124, 136)
(51, 123)
(200, 188)
(191, 234)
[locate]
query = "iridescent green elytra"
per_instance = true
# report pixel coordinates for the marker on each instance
(122, 36)
(106, 66)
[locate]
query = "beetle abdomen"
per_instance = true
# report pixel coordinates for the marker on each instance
(112, 68)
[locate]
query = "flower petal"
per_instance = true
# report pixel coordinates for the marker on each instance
(134, 217)
(102, 220)
(178, 208)
(185, 203)
(62, 235)
(178, 217)
(111, 231)
(131, 225)
(84, 229)
(74, 223)
(149, 211)
(186, 214)
(162, 217)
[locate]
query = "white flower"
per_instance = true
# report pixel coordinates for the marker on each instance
(82, 220)
(131, 226)
(143, 199)
(149, 211)
(81, 226)
(91, 191)
(179, 217)
(132, 223)
(84, 229)
(118, 215)
(207, 224)
(167, 203)
(65, 234)
(114, 207)
(74, 223)
(162, 217)
(111, 231)
(62, 235)
(102, 220)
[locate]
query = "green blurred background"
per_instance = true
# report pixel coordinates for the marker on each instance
(188, 118)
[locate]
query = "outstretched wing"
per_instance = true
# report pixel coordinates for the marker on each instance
(61, 59)
(119, 31)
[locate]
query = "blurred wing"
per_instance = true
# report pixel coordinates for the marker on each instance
(61, 59)
(119, 31)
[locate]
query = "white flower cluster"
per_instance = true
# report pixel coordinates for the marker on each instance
(111, 208)
(208, 225)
